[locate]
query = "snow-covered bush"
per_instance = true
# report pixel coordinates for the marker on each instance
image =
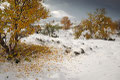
(50, 29)
(98, 25)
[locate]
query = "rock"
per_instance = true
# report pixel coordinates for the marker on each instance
(64, 46)
(67, 51)
(58, 42)
(69, 47)
(82, 43)
(7, 77)
(82, 51)
(37, 32)
(96, 46)
(40, 40)
(54, 36)
(52, 40)
(110, 39)
(76, 53)
(105, 39)
(91, 49)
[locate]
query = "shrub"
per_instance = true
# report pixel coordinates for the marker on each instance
(66, 23)
(50, 29)
(96, 26)
(16, 19)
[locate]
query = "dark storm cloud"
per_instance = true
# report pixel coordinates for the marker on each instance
(80, 8)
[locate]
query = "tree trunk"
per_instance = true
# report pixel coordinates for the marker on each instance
(3, 44)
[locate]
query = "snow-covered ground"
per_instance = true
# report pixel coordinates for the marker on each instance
(81, 60)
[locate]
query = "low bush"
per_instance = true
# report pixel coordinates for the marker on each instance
(50, 29)
(66, 23)
(23, 51)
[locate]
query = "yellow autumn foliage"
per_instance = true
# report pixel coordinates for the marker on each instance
(97, 24)
(16, 20)
(66, 23)
(24, 50)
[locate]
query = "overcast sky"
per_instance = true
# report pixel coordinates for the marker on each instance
(78, 9)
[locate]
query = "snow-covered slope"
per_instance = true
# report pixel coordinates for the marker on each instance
(81, 60)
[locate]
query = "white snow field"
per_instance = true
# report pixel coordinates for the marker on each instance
(81, 60)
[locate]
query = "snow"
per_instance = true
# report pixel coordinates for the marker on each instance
(101, 60)
(2, 5)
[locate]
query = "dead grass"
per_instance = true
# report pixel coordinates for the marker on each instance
(23, 51)
(39, 63)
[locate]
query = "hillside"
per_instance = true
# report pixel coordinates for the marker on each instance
(76, 59)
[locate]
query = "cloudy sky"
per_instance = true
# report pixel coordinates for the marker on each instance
(78, 9)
